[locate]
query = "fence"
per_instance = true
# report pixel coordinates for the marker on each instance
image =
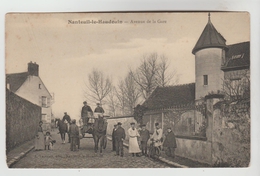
(22, 119)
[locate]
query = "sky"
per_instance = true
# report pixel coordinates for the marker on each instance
(67, 53)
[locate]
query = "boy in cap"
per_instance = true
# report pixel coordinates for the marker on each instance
(119, 137)
(170, 143)
(144, 137)
(74, 134)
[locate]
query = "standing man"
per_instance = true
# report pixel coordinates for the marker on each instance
(99, 109)
(144, 137)
(157, 136)
(113, 138)
(86, 111)
(133, 142)
(66, 119)
(119, 137)
(74, 134)
(170, 143)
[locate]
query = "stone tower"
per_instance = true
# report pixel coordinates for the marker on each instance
(209, 52)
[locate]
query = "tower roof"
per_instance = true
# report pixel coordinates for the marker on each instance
(209, 38)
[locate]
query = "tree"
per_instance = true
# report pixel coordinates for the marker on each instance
(152, 72)
(98, 86)
(132, 94)
(121, 96)
(163, 76)
(112, 102)
(145, 75)
(237, 89)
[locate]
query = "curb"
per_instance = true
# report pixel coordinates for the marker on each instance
(17, 158)
(160, 158)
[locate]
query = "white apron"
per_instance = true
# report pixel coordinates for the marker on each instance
(133, 143)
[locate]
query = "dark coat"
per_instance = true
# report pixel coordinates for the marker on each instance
(85, 110)
(170, 140)
(74, 130)
(113, 133)
(66, 117)
(99, 109)
(119, 133)
(144, 135)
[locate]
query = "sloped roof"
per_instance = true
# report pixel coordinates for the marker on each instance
(209, 38)
(171, 96)
(237, 56)
(16, 80)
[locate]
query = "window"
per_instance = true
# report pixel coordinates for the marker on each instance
(205, 80)
(44, 101)
(44, 117)
(40, 86)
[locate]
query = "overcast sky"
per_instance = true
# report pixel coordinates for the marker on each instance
(66, 53)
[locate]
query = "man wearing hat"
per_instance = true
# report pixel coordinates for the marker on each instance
(74, 134)
(157, 135)
(113, 138)
(99, 109)
(86, 111)
(66, 118)
(119, 137)
(144, 137)
(170, 143)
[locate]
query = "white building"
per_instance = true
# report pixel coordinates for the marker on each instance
(29, 86)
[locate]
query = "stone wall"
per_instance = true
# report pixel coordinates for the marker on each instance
(194, 149)
(231, 134)
(22, 119)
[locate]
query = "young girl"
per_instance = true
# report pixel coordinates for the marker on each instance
(48, 140)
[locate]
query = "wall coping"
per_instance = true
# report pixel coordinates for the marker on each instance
(120, 117)
(192, 137)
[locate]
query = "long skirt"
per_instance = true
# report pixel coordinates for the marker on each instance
(39, 141)
(133, 145)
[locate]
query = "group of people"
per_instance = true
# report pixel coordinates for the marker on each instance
(138, 140)
(43, 141)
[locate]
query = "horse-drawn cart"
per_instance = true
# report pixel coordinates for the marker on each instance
(94, 127)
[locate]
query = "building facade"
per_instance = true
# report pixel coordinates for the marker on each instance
(29, 86)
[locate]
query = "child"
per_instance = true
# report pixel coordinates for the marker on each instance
(74, 134)
(170, 143)
(48, 140)
(144, 137)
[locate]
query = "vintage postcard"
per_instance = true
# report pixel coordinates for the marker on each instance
(127, 90)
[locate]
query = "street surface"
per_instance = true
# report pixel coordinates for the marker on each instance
(62, 157)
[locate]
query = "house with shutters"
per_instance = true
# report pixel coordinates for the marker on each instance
(30, 86)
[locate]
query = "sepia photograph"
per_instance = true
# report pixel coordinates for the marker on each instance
(127, 90)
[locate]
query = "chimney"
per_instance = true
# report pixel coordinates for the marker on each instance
(33, 69)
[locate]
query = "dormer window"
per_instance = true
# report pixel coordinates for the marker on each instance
(40, 86)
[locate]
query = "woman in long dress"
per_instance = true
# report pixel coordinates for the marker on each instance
(133, 143)
(39, 140)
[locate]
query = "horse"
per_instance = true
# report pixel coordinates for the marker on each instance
(62, 129)
(99, 134)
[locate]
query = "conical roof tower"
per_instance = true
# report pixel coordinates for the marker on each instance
(209, 38)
